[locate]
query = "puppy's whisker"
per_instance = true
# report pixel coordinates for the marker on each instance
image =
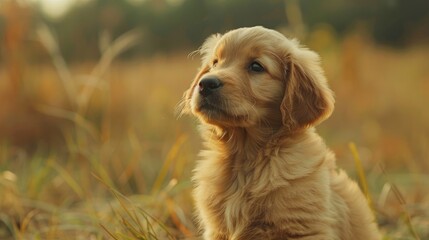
(179, 110)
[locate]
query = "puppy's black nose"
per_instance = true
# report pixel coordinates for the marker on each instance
(208, 85)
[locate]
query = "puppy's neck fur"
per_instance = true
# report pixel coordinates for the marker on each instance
(248, 147)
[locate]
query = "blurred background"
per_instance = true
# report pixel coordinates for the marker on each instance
(91, 147)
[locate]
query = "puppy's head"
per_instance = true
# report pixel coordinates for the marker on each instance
(254, 76)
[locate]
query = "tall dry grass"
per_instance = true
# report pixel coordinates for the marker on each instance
(107, 139)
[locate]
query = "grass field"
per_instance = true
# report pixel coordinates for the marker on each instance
(107, 158)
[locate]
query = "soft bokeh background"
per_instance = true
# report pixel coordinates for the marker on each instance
(91, 148)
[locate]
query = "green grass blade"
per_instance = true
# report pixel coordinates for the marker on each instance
(361, 173)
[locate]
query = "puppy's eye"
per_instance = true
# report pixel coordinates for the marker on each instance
(256, 67)
(214, 64)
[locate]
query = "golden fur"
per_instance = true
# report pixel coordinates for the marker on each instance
(265, 173)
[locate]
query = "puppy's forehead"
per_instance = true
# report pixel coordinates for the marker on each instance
(254, 40)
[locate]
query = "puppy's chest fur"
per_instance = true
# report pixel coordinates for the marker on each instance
(240, 191)
(225, 190)
(268, 193)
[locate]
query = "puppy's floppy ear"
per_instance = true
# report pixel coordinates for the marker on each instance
(307, 98)
(206, 51)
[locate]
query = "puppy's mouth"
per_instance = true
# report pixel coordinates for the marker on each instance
(210, 109)
(216, 112)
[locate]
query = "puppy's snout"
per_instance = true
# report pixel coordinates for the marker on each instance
(208, 85)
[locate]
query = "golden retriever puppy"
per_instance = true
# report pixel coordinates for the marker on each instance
(265, 173)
